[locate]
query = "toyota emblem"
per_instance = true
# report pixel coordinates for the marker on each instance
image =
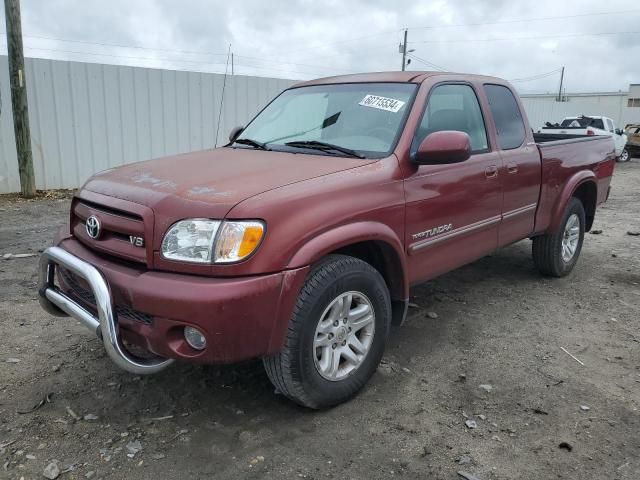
(93, 227)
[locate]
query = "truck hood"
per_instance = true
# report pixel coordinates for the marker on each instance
(209, 183)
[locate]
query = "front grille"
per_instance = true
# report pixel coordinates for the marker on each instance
(77, 290)
(116, 228)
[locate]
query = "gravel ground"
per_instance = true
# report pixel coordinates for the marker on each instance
(496, 322)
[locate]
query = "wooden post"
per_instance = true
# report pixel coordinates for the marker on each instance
(19, 98)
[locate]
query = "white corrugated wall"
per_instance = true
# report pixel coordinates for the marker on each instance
(545, 108)
(86, 117)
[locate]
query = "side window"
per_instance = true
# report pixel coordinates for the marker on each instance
(506, 115)
(454, 107)
(609, 125)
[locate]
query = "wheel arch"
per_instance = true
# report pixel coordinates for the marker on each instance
(583, 186)
(372, 242)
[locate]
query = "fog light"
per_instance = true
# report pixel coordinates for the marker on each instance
(194, 338)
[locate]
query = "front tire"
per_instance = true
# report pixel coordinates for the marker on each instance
(556, 254)
(624, 156)
(336, 335)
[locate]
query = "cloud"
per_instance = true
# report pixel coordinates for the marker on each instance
(309, 38)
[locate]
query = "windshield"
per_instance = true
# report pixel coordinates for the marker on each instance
(363, 117)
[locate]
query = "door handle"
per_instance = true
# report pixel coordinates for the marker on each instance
(512, 167)
(491, 171)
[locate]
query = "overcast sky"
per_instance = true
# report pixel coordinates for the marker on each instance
(310, 38)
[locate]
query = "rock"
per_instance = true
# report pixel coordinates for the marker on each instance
(584, 408)
(413, 305)
(462, 377)
(30, 456)
(90, 474)
(133, 448)
(24, 255)
(12, 360)
(464, 460)
(89, 417)
(482, 417)
(496, 438)
(468, 476)
(486, 387)
(471, 424)
(158, 456)
(432, 315)
(51, 471)
(565, 446)
(595, 232)
(406, 370)
(634, 233)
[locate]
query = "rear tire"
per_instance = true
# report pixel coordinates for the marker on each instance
(342, 298)
(556, 254)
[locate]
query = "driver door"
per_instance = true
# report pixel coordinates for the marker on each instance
(453, 211)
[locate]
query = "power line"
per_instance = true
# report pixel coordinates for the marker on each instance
(428, 63)
(264, 60)
(537, 77)
(175, 60)
(525, 20)
(539, 37)
(121, 45)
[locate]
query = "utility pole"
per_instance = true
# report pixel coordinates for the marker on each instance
(19, 97)
(404, 50)
(232, 63)
(560, 89)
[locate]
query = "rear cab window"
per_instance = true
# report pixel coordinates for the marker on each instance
(507, 116)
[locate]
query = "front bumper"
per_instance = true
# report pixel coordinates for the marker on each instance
(240, 318)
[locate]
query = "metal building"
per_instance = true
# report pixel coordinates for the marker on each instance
(622, 107)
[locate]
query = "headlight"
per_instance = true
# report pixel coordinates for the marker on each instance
(190, 240)
(211, 241)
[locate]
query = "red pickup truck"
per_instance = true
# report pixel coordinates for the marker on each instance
(298, 241)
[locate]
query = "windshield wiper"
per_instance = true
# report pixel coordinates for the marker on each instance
(252, 143)
(323, 146)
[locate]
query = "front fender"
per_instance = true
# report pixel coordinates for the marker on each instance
(349, 234)
(572, 184)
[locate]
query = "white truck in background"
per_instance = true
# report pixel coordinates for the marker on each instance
(589, 125)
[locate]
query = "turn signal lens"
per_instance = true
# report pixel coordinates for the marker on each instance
(238, 240)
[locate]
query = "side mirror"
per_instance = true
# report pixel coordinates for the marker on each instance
(619, 131)
(235, 133)
(446, 146)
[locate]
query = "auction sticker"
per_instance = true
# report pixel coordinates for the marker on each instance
(382, 103)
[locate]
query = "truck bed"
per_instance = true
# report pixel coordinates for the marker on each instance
(555, 137)
(561, 158)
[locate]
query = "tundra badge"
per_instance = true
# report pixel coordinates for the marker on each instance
(432, 232)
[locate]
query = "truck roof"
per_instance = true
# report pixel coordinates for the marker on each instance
(393, 76)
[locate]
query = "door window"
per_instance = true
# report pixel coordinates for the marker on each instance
(506, 116)
(609, 125)
(454, 107)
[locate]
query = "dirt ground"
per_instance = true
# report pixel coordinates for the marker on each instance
(499, 323)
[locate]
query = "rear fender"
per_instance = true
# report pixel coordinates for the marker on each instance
(567, 192)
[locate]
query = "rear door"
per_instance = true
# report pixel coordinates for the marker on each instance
(452, 211)
(521, 170)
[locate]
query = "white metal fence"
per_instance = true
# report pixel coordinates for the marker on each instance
(545, 108)
(87, 117)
